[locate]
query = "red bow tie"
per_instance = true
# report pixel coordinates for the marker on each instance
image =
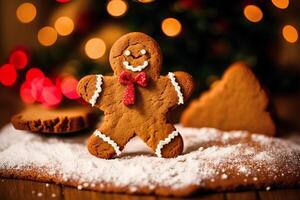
(127, 79)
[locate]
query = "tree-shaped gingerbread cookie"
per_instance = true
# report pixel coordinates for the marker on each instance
(136, 99)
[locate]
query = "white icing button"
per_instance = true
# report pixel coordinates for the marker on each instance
(167, 140)
(109, 141)
(127, 53)
(177, 88)
(97, 91)
(143, 52)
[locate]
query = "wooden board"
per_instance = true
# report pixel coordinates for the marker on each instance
(11, 189)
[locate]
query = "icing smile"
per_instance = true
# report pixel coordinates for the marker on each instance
(135, 68)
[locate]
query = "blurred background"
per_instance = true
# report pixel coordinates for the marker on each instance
(46, 46)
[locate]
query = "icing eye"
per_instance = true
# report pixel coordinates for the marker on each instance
(143, 52)
(127, 53)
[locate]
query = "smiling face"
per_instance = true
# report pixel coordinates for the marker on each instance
(136, 52)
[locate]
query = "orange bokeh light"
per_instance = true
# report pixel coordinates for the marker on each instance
(116, 8)
(26, 12)
(171, 27)
(282, 4)
(253, 13)
(290, 33)
(47, 36)
(95, 48)
(64, 26)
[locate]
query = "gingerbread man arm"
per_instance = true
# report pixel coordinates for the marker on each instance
(186, 83)
(182, 86)
(95, 89)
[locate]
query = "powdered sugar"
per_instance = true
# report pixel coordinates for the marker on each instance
(67, 159)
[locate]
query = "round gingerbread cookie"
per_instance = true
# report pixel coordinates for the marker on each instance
(36, 118)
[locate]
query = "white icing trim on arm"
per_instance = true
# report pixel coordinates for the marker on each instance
(98, 90)
(137, 68)
(171, 76)
(167, 140)
(109, 141)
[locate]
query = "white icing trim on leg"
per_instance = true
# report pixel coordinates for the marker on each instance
(98, 90)
(109, 141)
(171, 76)
(167, 140)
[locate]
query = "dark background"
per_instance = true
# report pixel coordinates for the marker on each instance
(214, 34)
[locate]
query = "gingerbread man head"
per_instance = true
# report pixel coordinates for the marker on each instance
(136, 52)
(136, 99)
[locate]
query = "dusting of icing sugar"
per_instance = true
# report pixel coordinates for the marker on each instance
(244, 170)
(39, 194)
(177, 88)
(224, 176)
(109, 141)
(53, 195)
(85, 184)
(165, 141)
(68, 160)
(97, 91)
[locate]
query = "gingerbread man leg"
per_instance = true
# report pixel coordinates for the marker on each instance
(107, 142)
(164, 140)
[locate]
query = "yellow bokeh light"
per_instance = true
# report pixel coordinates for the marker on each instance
(95, 48)
(290, 33)
(171, 27)
(64, 26)
(282, 4)
(253, 13)
(116, 8)
(26, 12)
(47, 36)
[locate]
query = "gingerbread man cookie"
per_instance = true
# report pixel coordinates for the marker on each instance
(136, 99)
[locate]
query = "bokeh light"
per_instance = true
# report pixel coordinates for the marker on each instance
(34, 73)
(62, 1)
(26, 12)
(64, 26)
(69, 87)
(95, 48)
(19, 59)
(51, 96)
(25, 93)
(290, 33)
(37, 86)
(47, 36)
(282, 4)
(116, 8)
(171, 27)
(8, 75)
(253, 13)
